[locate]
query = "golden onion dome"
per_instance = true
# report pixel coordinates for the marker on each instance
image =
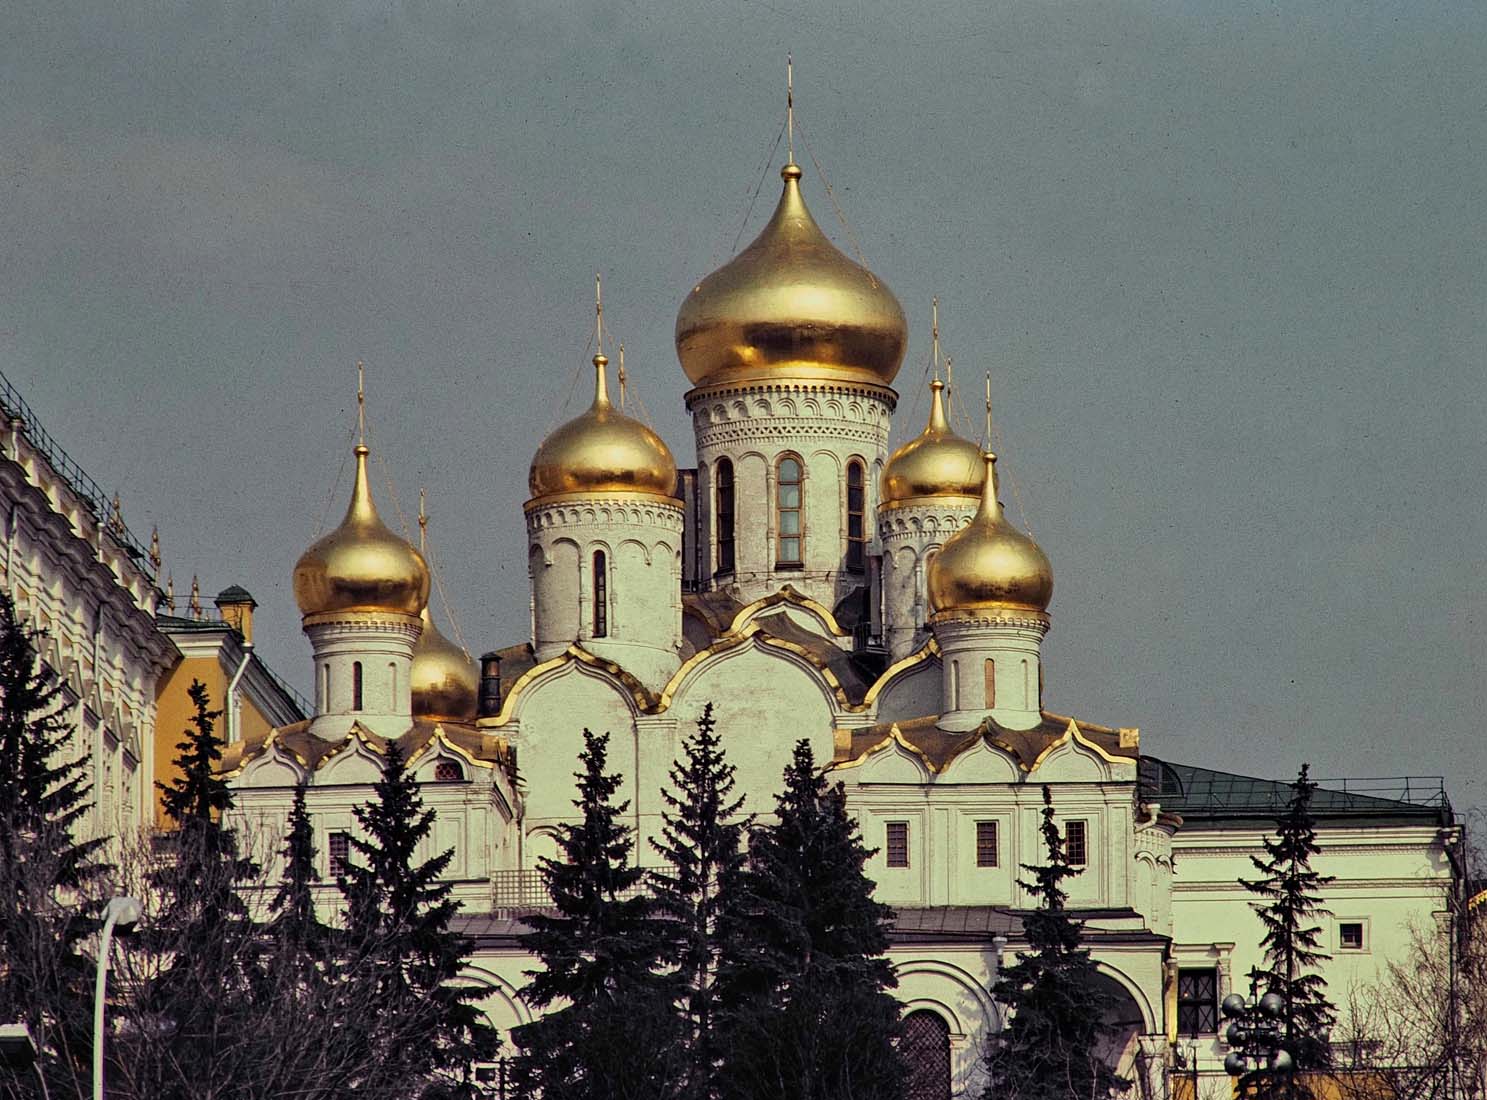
(989, 564)
(936, 462)
(602, 451)
(361, 565)
(444, 679)
(790, 305)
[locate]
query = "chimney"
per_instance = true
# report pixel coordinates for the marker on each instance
(237, 607)
(490, 686)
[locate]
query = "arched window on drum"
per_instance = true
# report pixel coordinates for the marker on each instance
(724, 514)
(925, 1050)
(789, 512)
(856, 516)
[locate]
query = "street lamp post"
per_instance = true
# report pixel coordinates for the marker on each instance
(122, 913)
(1255, 1032)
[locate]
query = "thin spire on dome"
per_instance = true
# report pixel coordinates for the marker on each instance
(938, 422)
(361, 404)
(790, 112)
(934, 333)
(991, 507)
(620, 376)
(988, 410)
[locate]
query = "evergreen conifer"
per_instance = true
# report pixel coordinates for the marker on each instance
(804, 987)
(702, 842)
(421, 1033)
(1291, 893)
(613, 1036)
(1050, 1048)
(294, 919)
(47, 876)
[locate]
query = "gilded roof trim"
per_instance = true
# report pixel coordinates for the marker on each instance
(895, 736)
(786, 595)
(928, 651)
(1074, 735)
(640, 695)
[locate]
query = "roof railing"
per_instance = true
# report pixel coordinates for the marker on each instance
(89, 491)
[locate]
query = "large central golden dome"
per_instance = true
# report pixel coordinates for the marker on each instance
(361, 565)
(601, 451)
(790, 305)
(936, 462)
(989, 564)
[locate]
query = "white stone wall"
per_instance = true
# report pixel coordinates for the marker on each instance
(991, 665)
(910, 532)
(754, 425)
(640, 537)
(70, 578)
(382, 644)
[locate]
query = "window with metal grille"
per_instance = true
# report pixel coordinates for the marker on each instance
(601, 594)
(856, 517)
(447, 771)
(986, 846)
(725, 515)
(897, 845)
(356, 685)
(924, 1048)
(1076, 846)
(340, 852)
(789, 511)
(1197, 1001)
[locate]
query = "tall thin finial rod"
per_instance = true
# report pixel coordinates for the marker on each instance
(423, 524)
(790, 108)
(621, 377)
(949, 379)
(935, 334)
(361, 404)
(988, 410)
(598, 314)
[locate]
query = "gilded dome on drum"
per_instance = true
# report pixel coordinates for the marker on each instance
(936, 462)
(790, 305)
(444, 680)
(989, 564)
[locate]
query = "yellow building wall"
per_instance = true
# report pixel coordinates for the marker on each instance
(174, 711)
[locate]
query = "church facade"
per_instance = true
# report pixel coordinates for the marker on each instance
(809, 583)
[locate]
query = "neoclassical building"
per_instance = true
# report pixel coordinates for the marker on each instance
(810, 583)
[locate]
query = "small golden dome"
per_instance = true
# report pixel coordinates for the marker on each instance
(602, 451)
(444, 680)
(989, 564)
(791, 305)
(361, 565)
(935, 463)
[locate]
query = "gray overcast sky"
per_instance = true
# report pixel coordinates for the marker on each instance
(1224, 259)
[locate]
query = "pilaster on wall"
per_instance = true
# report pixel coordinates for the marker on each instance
(753, 425)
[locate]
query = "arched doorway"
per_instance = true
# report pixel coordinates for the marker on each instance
(925, 1049)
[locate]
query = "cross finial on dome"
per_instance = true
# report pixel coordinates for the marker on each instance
(790, 110)
(988, 410)
(361, 404)
(934, 335)
(423, 524)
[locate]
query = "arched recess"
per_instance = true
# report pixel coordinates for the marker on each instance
(498, 998)
(1123, 1023)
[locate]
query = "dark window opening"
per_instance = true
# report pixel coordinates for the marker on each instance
(898, 843)
(856, 518)
(447, 771)
(1076, 847)
(340, 852)
(1197, 1001)
(1350, 936)
(788, 511)
(925, 1050)
(601, 595)
(986, 846)
(725, 516)
(356, 685)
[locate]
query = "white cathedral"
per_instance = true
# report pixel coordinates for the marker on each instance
(809, 583)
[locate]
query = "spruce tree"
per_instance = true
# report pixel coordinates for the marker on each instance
(702, 842)
(613, 1036)
(804, 996)
(293, 916)
(1053, 995)
(47, 876)
(1291, 893)
(421, 1033)
(194, 954)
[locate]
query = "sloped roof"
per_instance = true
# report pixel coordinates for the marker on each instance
(1206, 794)
(313, 752)
(939, 747)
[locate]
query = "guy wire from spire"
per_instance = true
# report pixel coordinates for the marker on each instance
(330, 498)
(428, 558)
(840, 215)
(754, 195)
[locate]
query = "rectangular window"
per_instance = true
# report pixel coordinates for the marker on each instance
(1197, 1001)
(1076, 846)
(898, 843)
(1350, 935)
(340, 852)
(990, 677)
(986, 846)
